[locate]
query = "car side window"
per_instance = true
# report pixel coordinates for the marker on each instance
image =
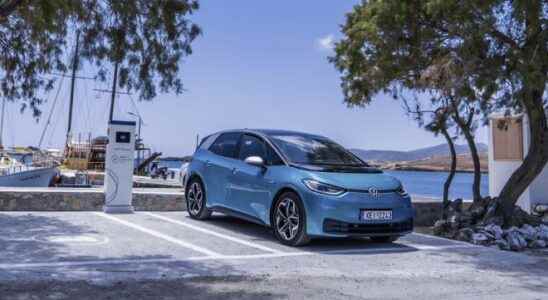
(226, 144)
(252, 146)
(208, 141)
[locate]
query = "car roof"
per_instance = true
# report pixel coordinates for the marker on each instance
(272, 132)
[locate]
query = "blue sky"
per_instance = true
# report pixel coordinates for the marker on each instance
(258, 64)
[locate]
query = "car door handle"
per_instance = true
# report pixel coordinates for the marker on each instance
(208, 164)
(234, 171)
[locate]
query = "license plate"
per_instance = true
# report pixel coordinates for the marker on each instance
(376, 215)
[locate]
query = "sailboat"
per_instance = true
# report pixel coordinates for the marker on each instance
(83, 152)
(24, 167)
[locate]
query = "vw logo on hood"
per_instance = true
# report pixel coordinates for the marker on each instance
(373, 191)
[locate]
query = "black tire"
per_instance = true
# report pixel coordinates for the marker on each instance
(294, 234)
(384, 239)
(195, 196)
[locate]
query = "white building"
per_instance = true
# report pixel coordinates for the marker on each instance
(507, 148)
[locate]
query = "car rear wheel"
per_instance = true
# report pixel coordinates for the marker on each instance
(384, 239)
(289, 220)
(196, 200)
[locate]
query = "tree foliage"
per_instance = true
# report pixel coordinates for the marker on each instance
(500, 44)
(147, 38)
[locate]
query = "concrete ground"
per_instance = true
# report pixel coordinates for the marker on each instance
(88, 255)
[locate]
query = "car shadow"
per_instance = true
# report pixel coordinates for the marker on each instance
(258, 233)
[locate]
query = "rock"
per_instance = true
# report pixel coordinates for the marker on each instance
(480, 239)
(465, 234)
(521, 217)
(495, 230)
(528, 232)
(502, 244)
(477, 209)
(440, 227)
(488, 234)
(454, 222)
(542, 234)
(456, 205)
(537, 244)
(465, 220)
(515, 240)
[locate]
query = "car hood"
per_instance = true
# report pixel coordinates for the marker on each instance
(357, 181)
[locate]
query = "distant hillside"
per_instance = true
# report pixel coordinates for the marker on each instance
(413, 155)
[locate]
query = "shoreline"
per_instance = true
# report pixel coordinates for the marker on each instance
(416, 169)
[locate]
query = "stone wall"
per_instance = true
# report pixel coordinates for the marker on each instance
(85, 200)
(428, 211)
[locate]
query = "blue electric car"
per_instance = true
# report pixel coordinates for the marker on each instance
(301, 185)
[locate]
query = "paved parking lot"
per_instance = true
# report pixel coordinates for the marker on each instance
(44, 253)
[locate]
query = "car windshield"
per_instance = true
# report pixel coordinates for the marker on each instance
(313, 150)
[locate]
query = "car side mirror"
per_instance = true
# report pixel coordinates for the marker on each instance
(255, 161)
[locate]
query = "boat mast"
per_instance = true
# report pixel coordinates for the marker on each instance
(2, 123)
(113, 95)
(72, 85)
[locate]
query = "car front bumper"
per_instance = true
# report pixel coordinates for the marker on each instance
(341, 215)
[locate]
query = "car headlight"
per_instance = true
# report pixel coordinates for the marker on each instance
(401, 191)
(323, 188)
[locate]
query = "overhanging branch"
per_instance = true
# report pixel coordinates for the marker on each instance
(8, 7)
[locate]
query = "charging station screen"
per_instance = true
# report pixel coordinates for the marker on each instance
(123, 137)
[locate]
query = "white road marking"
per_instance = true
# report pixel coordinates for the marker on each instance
(220, 257)
(161, 235)
(219, 235)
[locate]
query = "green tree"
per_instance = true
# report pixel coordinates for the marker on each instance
(389, 44)
(447, 79)
(147, 39)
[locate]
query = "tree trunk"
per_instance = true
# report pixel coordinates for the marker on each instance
(534, 79)
(534, 161)
(451, 175)
(465, 127)
(476, 186)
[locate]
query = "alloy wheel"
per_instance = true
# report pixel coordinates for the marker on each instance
(195, 198)
(287, 219)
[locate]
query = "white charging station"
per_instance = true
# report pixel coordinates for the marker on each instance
(119, 162)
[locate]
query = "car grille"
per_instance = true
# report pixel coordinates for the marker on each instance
(334, 226)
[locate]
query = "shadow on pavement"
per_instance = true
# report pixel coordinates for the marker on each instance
(258, 233)
(25, 238)
(230, 287)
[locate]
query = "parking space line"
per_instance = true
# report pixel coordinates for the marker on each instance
(219, 235)
(160, 235)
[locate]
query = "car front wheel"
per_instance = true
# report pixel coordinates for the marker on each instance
(196, 200)
(289, 220)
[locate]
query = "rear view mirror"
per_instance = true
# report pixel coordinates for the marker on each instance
(255, 161)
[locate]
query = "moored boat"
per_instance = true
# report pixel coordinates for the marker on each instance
(16, 174)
